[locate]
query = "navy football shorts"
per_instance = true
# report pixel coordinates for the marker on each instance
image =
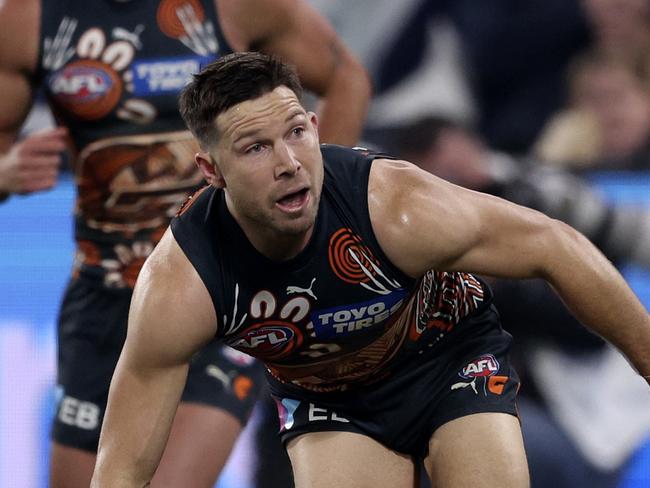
(466, 372)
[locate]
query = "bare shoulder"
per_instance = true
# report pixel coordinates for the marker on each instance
(418, 219)
(170, 295)
(397, 188)
(20, 23)
(385, 173)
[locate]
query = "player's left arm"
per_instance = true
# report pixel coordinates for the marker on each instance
(294, 31)
(423, 222)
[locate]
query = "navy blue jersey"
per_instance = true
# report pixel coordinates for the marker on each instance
(112, 73)
(339, 312)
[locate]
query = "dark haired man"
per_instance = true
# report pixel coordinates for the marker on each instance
(112, 71)
(345, 272)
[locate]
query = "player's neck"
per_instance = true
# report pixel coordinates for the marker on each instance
(272, 243)
(281, 247)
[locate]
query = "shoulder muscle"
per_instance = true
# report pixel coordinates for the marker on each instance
(171, 313)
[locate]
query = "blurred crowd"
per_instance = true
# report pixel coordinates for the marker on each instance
(527, 99)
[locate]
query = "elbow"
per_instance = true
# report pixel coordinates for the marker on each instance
(355, 78)
(344, 104)
(563, 247)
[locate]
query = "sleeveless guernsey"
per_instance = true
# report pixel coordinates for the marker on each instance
(114, 83)
(339, 313)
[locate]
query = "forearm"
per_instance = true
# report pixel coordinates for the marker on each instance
(140, 411)
(343, 106)
(599, 297)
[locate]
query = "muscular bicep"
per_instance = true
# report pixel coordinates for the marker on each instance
(291, 29)
(19, 24)
(423, 222)
(171, 314)
(309, 42)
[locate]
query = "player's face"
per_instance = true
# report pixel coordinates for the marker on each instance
(271, 166)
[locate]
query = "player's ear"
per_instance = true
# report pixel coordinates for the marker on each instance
(313, 118)
(210, 170)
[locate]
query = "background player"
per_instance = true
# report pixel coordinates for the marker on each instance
(111, 71)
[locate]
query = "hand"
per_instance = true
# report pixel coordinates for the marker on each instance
(33, 163)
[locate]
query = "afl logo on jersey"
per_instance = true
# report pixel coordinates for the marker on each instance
(88, 89)
(268, 341)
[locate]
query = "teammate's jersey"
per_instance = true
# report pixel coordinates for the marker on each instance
(338, 312)
(112, 72)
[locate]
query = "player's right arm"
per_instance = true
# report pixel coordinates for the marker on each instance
(30, 164)
(171, 317)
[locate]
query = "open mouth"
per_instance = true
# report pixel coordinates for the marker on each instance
(294, 201)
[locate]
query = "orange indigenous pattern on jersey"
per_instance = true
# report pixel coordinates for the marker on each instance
(173, 16)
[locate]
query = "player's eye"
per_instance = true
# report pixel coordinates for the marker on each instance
(254, 148)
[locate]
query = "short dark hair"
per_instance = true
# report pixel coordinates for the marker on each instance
(230, 80)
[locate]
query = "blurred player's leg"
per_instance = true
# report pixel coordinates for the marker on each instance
(211, 432)
(91, 331)
(222, 388)
(70, 467)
